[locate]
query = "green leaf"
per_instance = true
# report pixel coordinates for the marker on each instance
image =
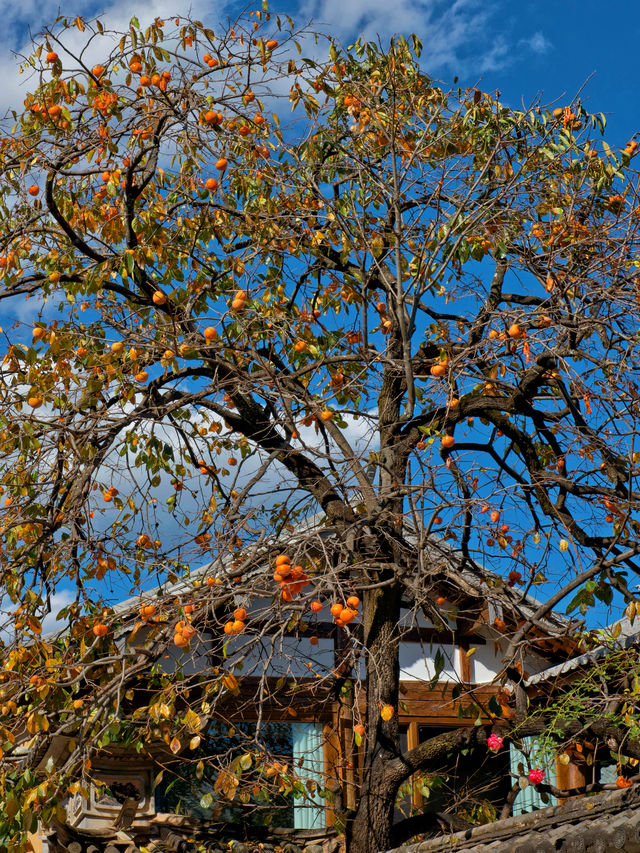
(494, 706)
(604, 594)
(11, 807)
(575, 602)
(205, 802)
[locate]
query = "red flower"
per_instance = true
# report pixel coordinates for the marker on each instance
(494, 742)
(536, 776)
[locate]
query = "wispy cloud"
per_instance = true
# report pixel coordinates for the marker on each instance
(23, 21)
(537, 43)
(447, 30)
(464, 37)
(60, 599)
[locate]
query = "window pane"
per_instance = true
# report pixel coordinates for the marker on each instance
(181, 791)
(530, 799)
(308, 756)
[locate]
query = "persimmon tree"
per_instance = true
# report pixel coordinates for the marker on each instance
(266, 286)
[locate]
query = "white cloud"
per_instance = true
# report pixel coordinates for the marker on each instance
(22, 21)
(275, 485)
(447, 30)
(50, 624)
(538, 43)
(61, 598)
(463, 37)
(466, 37)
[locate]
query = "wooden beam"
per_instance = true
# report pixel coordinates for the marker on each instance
(413, 740)
(437, 707)
(331, 753)
(303, 700)
(465, 662)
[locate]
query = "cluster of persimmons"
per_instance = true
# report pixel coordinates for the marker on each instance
(292, 579)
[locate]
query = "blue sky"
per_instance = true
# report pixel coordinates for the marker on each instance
(519, 48)
(553, 47)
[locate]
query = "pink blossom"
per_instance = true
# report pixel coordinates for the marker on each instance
(536, 776)
(494, 742)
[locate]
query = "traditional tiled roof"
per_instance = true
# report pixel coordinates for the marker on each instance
(477, 581)
(178, 834)
(629, 635)
(439, 550)
(604, 823)
(62, 838)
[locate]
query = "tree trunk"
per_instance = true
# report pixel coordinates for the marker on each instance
(370, 830)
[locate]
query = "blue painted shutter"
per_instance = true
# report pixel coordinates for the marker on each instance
(529, 799)
(308, 759)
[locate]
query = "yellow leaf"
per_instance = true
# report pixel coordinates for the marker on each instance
(194, 743)
(230, 682)
(34, 624)
(174, 746)
(136, 628)
(30, 797)
(226, 783)
(631, 611)
(193, 720)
